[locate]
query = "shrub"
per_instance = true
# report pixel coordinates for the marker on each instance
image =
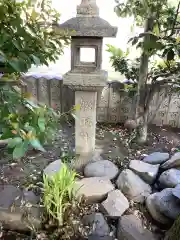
(23, 122)
(28, 36)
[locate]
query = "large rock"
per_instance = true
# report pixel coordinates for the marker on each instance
(169, 178)
(133, 187)
(156, 158)
(17, 211)
(168, 204)
(53, 168)
(176, 191)
(165, 204)
(97, 224)
(146, 171)
(103, 168)
(96, 237)
(115, 204)
(29, 196)
(94, 189)
(154, 210)
(173, 162)
(130, 124)
(130, 228)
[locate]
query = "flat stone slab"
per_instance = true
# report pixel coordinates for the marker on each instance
(156, 158)
(130, 228)
(173, 162)
(103, 168)
(94, 189)
(53, 168)
(97, 224)
(133, 187)
(17, 210)
(115, 204)
(169, 178)
(146, 171)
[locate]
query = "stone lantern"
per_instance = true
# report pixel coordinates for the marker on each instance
(86, 78)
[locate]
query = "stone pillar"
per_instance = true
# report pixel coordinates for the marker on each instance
(85, 127)
(86, 78)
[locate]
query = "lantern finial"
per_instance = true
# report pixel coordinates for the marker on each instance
(88, 7)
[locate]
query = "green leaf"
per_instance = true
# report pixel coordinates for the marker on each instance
(41, 124)
(19, 151)
(135, 40)
(156, 29)
(74, 116)
(36, 60)
(14, 142)
(37, 145)
(15, 65)
(170, 55)
(34, 14)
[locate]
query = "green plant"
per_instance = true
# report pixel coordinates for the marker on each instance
(59, 193)
(23, 122)
(174, 233)
(28, 36)
(159, 39)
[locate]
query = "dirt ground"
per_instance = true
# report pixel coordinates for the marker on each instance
(111, 142)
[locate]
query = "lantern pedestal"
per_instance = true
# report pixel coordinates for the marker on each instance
(86, 87)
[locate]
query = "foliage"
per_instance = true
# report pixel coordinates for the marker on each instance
(173, 233)
(130, 67)
(159, 39)
(27, 37)
(23, 122)
(58, 193)
(64, 211)
(163, 40)
(122, 64)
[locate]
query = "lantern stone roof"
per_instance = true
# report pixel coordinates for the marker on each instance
(87, 22)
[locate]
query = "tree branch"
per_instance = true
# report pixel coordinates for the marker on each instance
(175, 20)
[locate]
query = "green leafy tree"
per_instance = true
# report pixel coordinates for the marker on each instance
(27, 37)
(160, 38)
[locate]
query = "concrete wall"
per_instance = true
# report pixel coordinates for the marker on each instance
(112, 106)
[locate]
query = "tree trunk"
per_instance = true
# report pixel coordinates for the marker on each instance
(141, 112)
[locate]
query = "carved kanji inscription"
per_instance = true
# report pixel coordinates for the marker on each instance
(86, 105)
(86, 122)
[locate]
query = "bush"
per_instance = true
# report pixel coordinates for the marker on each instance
(23, 122)
(28, 36)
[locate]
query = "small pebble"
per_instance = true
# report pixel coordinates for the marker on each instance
(13, 164)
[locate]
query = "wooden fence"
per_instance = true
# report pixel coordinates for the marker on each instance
(112, 106)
